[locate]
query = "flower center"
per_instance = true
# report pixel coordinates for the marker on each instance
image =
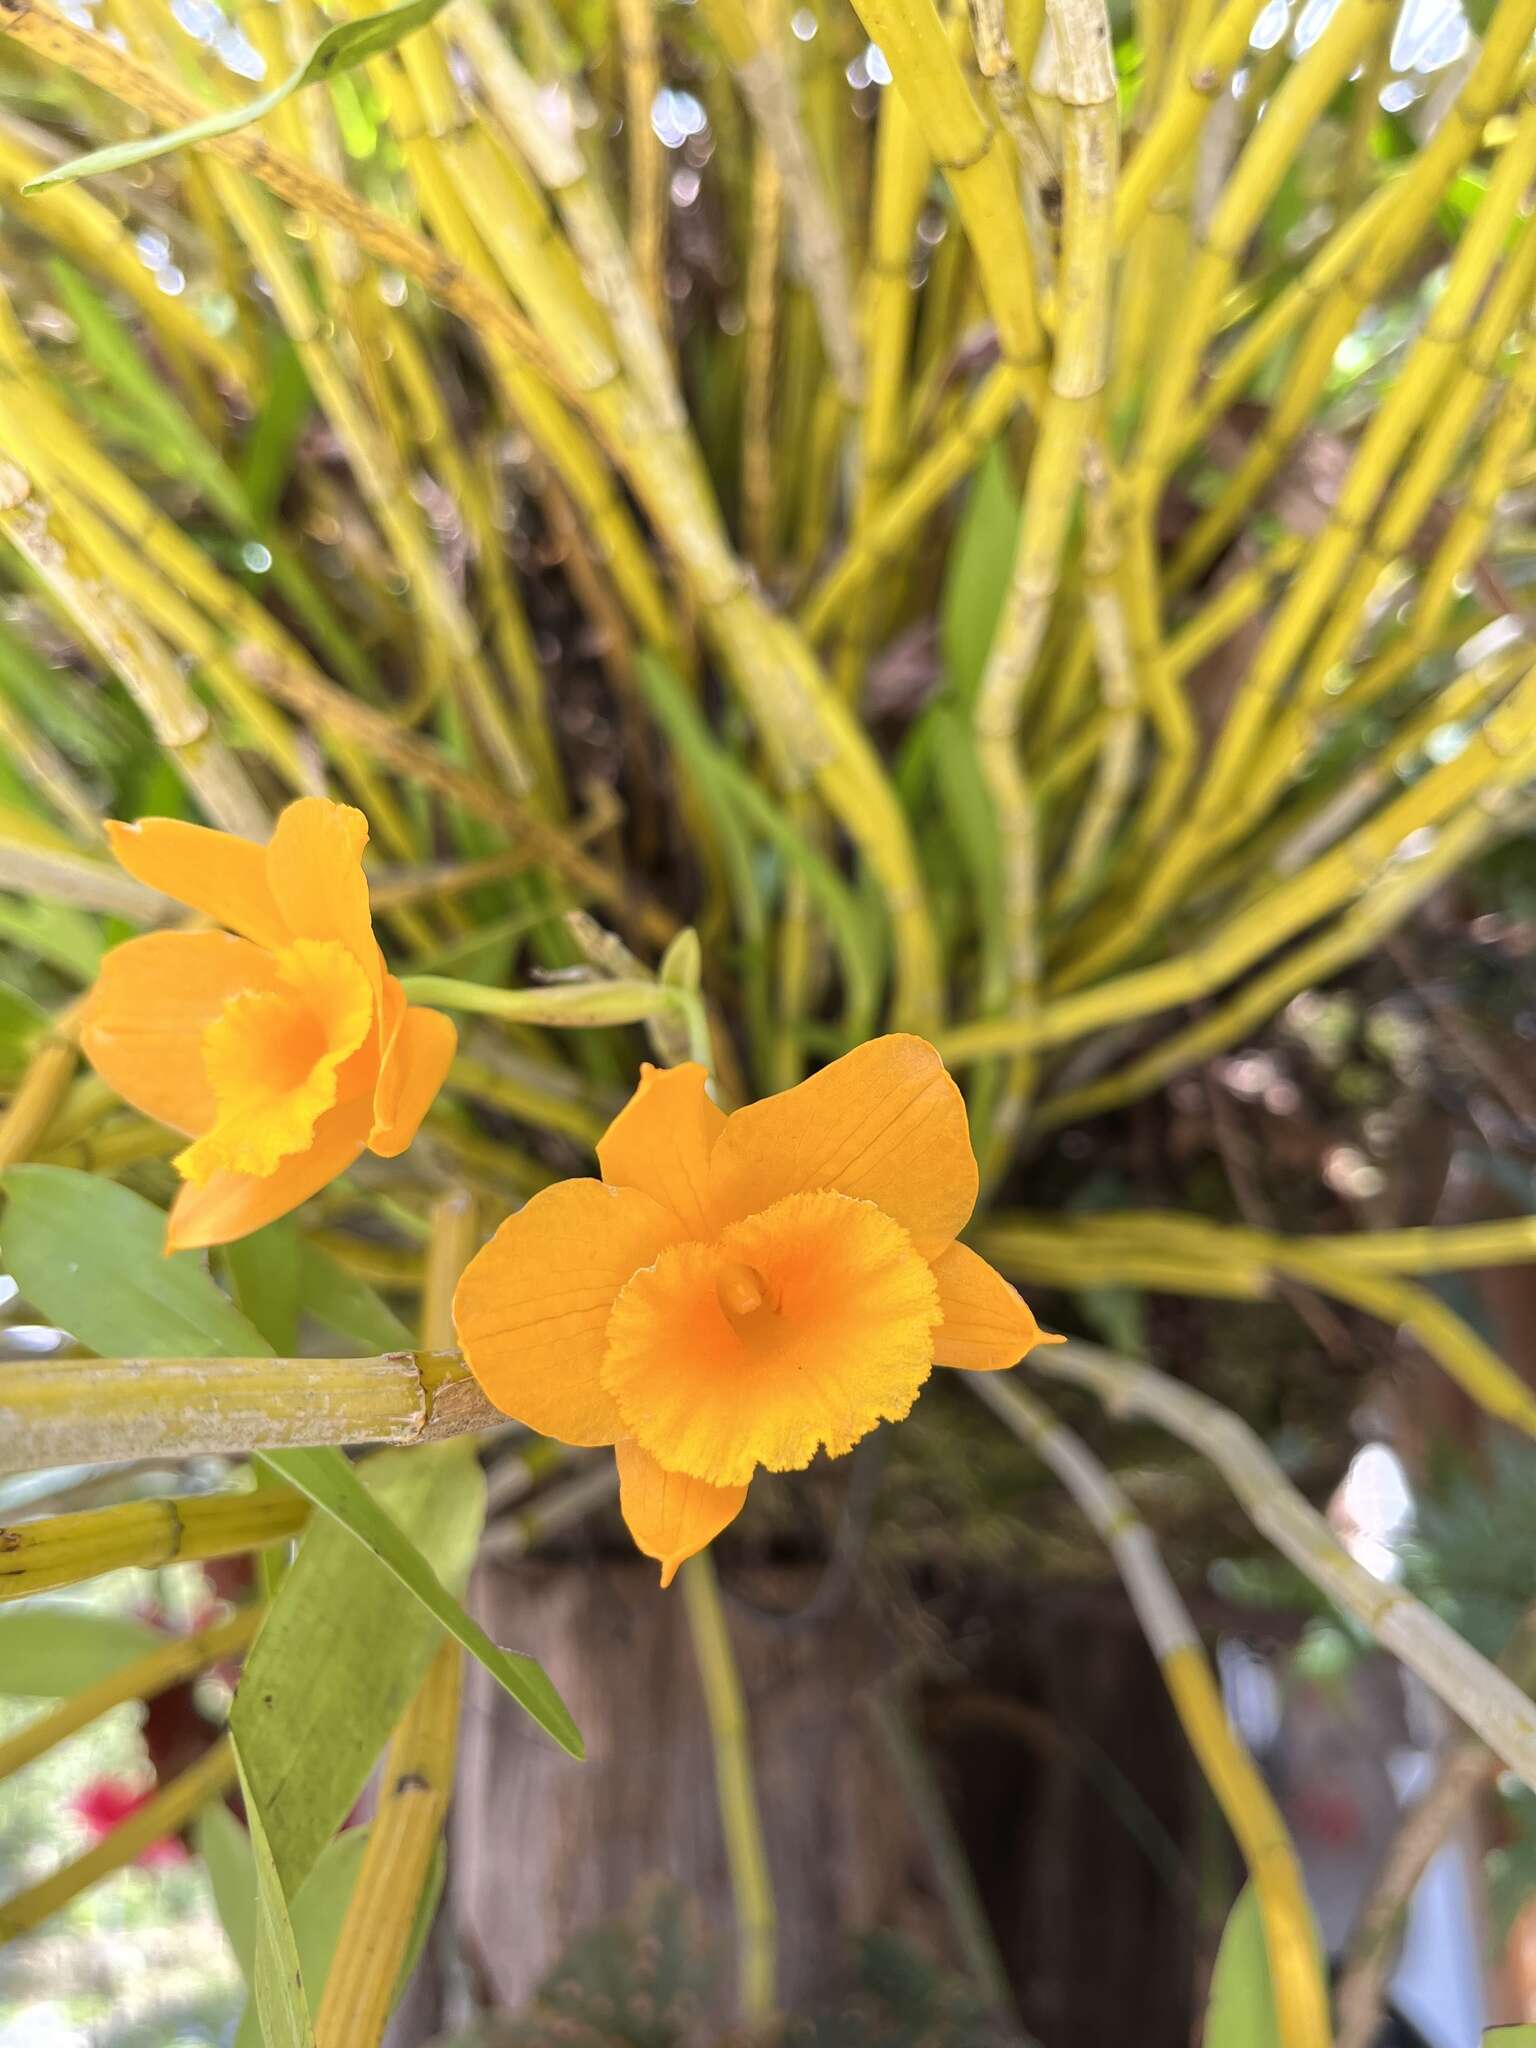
(274, 1060)
(804, 1325)
(741, 1289)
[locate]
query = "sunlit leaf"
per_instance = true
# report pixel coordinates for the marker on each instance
(91, 1256)
(329, 1481)
(225, 1847)
(320, 1910)
(1240, 2012)
(67, 939)
(267, 1278)
(341, 1654)
(979, 568)
(348, 1305)
(278, 1994)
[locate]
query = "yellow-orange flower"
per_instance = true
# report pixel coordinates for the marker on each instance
(742, 1291)
(280, 1047)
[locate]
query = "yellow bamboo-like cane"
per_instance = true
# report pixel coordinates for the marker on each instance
(740, 1820)
(169, 1810)
(646, 183)
(120, 638)
(1475, 1689)
(57, 1411)
(1079, 72)
(1296, 1979)
(64, 1549)
(768, 89)
(414, 1790)
(974, 160)
(37, 1095)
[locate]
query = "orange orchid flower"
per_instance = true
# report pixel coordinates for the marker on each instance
(741, 1291)
(280, 1047)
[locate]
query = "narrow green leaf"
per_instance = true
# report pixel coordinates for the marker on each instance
(65, 938)
(78, 720)
(50, 1649)
(976, 582)
(320, 1910)
(22, 1024)
(152, 414)
(225, 1848)
(734, 794)
(340, 1655)
(972, 821)
(266, 1277)
(278, 1993)
(338, 50)
(88, 1253)
(348, 1305)
(91, 1256)
(326, 1478)
(266, 460)
(1240, 2012)
(1117, 1314)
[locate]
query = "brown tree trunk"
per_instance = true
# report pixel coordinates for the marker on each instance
(544, 1847)
(1086, 1867)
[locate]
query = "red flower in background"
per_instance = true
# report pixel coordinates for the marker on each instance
(106, 1802)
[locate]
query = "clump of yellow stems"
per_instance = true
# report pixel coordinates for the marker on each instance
(468, 346)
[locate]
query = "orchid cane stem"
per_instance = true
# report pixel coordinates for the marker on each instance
(741, 1820)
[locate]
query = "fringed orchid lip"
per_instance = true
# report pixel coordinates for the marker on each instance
(741, 1292)
(280, 1045)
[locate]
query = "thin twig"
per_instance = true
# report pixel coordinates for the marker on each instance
(1463, 1769)
(1300, 1993)
(740, 1818)
(952, 1872)
(1454, 1672)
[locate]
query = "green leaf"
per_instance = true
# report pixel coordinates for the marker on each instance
(326, 1478)
(151, 415)
(735, 796)
(50, 1649)
(66, 939)
(278, 1993)
(1241, 2010)
(1510, 2037)
(266, 1277)
(76, 719)
(88, 1253)
(979, 569)
(340, 1654)
(1117, 1314)
(225, 1848)
(972, 821)
(320, 1910)
(91, 1256)
(338, 50)
(22, 1024)
(348, 1305)
(266, 460)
